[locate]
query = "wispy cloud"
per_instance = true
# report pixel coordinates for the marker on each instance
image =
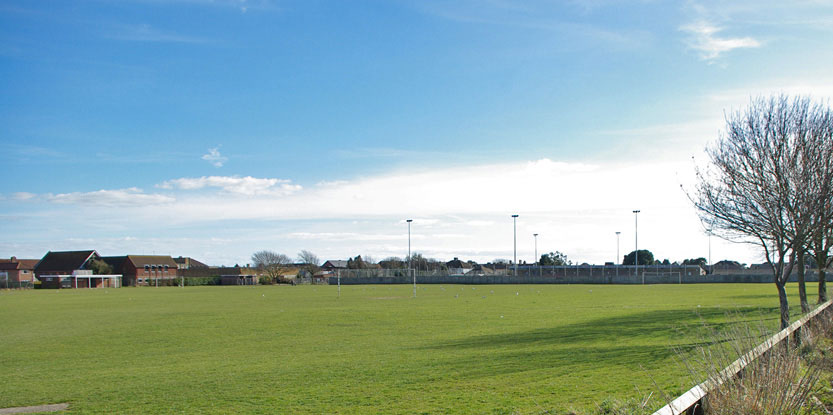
(704, 38)
(241, 5)
(214, 157)
(148, 33)
(558, 21)
(119, 198)
(249, 186)
(344, 236)
(23, 196)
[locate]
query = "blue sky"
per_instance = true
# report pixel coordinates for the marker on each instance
(214, 129)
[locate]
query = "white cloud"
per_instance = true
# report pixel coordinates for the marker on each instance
(214, 157)
(343, 236)
(120, 198)
(458, 211)
(249, 186)
(704, 39)
(23, 196)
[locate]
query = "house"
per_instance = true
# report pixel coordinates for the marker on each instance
(148, 269)
(334, 264)
(73, 269)
(188, 263)
(17, 272)
(728, 267)
(457, 267)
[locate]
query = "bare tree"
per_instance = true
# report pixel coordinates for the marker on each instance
(308, 258)
(820, 241)
(310, 262)
(271, 263)
(759, 187)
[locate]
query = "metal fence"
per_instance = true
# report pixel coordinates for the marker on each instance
(9, 283)
(643, 274)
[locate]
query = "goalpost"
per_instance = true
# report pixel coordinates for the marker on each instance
(670, 274)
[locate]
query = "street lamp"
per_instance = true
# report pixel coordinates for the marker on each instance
(711, 267)
(409, 253)
(535, 235)
(515, 241)
(617, 247)
(636, 241)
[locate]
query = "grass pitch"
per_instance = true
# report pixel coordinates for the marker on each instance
(495, 349)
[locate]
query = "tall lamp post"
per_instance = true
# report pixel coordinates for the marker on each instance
(711, 267)
(409, 253)
(617, 247)
(636, 241)
(535, 235)
(515, 241)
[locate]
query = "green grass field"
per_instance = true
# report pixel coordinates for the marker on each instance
(282, 349)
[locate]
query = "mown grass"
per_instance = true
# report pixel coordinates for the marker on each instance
(282, 349)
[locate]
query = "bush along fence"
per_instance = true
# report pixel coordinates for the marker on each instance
(694, 400)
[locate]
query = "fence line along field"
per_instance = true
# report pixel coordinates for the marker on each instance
(282, 349)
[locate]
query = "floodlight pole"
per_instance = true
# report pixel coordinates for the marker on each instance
(409, 254)
(636, 242)
(711, 267)
(535, 235)
(515, 241)
(617, 247)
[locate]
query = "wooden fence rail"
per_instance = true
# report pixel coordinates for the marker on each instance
(690, 401)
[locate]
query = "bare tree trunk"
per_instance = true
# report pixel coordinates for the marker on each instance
(822, 285)
(802, 289)
(785, 306)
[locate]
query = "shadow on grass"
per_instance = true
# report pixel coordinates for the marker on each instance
(633, 341)
(649, 325)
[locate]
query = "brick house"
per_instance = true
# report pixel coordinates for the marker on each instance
(188, 263)
(16, 271)
(334, 264)
(146, 269)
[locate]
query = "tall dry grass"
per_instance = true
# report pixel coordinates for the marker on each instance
(778, 382)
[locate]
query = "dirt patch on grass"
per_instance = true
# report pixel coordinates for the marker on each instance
(34, 409)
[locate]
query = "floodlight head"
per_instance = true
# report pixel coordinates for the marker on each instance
(514, 216)
(409, 220)
(534, 234)
(636, 211)
(617, 232)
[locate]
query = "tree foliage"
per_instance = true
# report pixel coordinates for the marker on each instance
(554, 258)
(421, 263)
(99, 267)
(645, 257)
(393, 263)
(357, 263)
(696, 261)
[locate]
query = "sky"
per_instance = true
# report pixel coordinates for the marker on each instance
(217, 128)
